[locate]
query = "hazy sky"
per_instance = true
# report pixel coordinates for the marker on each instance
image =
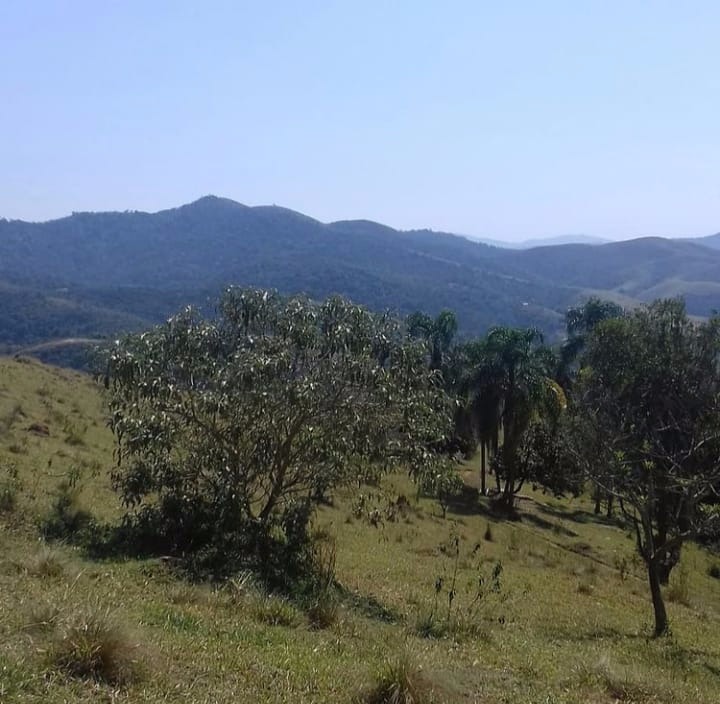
(499, 119)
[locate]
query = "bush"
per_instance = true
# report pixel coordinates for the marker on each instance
(714, 571)
(66, 519)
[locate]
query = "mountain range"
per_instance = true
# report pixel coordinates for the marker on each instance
(95, 274)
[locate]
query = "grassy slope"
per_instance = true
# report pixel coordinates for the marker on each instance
(572, 629)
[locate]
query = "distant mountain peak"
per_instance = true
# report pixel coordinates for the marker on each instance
(211, 201)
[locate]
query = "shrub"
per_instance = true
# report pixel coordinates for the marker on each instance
(66, 519)
(714, 571)
(90, 646)
(488, 535)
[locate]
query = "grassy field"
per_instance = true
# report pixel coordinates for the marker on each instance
(567, 620)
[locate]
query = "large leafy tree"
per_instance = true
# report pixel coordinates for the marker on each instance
(225, 425)
(649, 394)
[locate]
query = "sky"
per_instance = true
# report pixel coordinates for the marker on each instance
(509, 120)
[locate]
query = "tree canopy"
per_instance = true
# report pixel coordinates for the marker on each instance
(649, 391)
(225, 426)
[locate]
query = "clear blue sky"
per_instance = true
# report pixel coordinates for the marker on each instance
(498, 119)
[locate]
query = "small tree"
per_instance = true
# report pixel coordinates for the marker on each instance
(225, 427)
(649, 393)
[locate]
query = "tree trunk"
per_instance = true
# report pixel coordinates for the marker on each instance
(483, 456)
(598, 495)
(665, 565)
(661, 619)
(610, 502)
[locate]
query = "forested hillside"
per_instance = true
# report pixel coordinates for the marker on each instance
(92, 274)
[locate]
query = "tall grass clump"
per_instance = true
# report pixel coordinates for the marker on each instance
(398, 681)
(90, 645)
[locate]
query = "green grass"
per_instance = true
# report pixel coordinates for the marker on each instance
(571, 622)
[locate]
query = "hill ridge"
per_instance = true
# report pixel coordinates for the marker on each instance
(144, 266)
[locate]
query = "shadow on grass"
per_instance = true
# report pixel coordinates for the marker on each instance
(369, 606)
(280, 567)
(543, 523)
(600, 633)
(582, 517)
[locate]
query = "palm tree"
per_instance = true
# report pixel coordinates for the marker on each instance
(439, 333)
(580, 321)
(508, 382)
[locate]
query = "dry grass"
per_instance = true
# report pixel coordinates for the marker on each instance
(46, 563)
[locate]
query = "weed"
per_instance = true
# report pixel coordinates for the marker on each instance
(460, 617)
(10, 487)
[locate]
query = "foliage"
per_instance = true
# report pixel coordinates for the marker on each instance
(439, 333)
(507, 383)
(650, 392)
(225, 427)
(580, 321)
(545, 457)
(444, 484)
(66, 519)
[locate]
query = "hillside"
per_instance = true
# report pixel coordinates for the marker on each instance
(92, 274)
(568, 623)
